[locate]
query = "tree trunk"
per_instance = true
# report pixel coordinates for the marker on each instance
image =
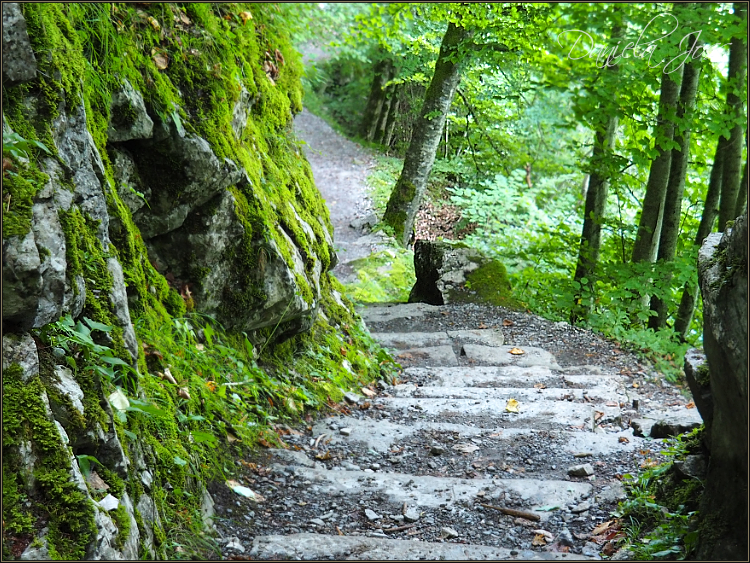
(596, 200)
(649, 226)
(730, 184)
(383, 71)
(710, 211)
(390, 126)
(420, 156)
(385, 114)
(670, 227)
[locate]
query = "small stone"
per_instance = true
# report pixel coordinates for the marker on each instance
(375, 466)
(583, 507)
(317, 522)
(590, 549)
(514, 552)
(109, 503)
(234, 544)
(371, 515)
(368, 470)
(448, 533)
(581, 470)
(352, 398)
(411, 515)
(345, 431)
(564, 537)
(437, 450)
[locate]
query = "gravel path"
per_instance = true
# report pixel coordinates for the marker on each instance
(505, 437)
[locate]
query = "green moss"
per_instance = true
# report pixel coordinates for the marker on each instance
(68, 510)
(487, 284)
(385, 276)
(704, 375)
(121, 519)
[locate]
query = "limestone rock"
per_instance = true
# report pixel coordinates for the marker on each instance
(693, 466)
(128, 181)
(128, 117)
(583, 470)
(182, 173)
(241, 111)
(443, 270)
(696, 373)
(69, 389)
(119, 299)
(722, 269)
(132, 543)
(21, 350)
(38, 550)
(19, 62)
(22, 280)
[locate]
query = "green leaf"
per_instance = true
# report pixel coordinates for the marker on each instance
(96, 325)
(179, 461)
(200, 437)
(130, 434)
(111, 360)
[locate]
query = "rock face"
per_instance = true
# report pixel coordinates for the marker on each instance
(452, 272)
(722, 266)
(134, 211)
(19, 62)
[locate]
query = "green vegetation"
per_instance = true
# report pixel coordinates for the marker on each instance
(660, 515)
(385, 276)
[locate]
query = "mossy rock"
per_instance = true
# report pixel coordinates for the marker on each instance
(452, 272)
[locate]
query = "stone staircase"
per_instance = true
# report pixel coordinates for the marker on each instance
(474, 428)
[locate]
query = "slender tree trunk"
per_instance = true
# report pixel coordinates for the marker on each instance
(390, 126)
(710, 211)
(596, 200)
(420, 156)
(670, 227)
(379, 136)
(730, 184)
(649, 226)
(383, 71)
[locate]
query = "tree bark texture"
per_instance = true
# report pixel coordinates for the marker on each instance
(383, 73)
(420, 156)
(710, 211)
(388, 107)
(730, 185)
(670, 226)
(649, 226)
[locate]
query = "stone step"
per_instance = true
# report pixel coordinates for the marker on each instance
(430, 492)
(505, 376)
(499, 395)
(383, 313)
(501, 355)
(406, 340)
(381, 435)
(427, 356)
(321, 547)
(537, 414)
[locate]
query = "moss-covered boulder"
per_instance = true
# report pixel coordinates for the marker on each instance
(451, 272)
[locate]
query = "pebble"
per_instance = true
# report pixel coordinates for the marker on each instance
(437, 450)
(583, 470)
(583, 507)
(375, 466)
(345, 431)
(448, 533)
(371, 515)
(590, 549)
(352, 398)
(317, 522)
(234, 544)
(411, 515)
(565, 538)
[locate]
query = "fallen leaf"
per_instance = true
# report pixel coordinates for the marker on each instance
(612, 404)
(184, 19)
(511, 406)
(263, 443)
(609, 548)
(364, 406)
(244, 491)
(538, 540)
(211, 386)
(598, 415)
(549, 536)
(690, 405)
(648, 462)
(482, 325)
(368, 392)
(508, 322)
(516, 351)
(635, 385)
(199, 347)
(623, 440)
(601, 528)
(245, 16)
(539, 386)
(168, 376)
(184, 393)
(231, 437)
(466, 448)
(324, 456)
(161, 61)
(154, 23)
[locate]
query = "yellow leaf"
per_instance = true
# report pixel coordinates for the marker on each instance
(511, 406)
(154, 23)
(690, 405)
(161, 61)
(245, 16)
(603, 527)
(538, 540)
(516, 351)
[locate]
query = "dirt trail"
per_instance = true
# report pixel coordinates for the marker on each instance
(340, 168)
(480, 451)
